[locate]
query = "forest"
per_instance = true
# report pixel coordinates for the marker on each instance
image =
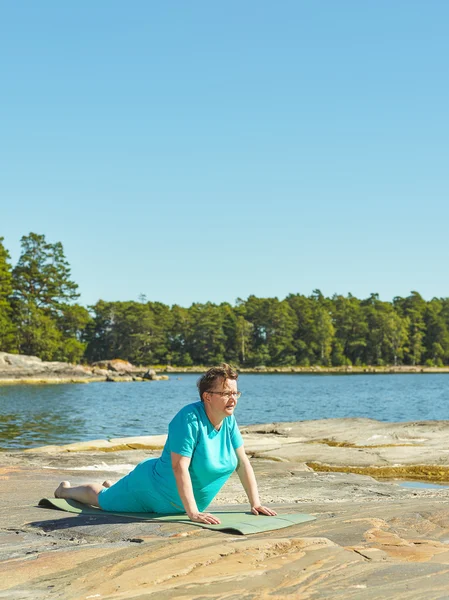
(40, 316)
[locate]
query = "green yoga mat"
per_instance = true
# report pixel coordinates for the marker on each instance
(234, 522)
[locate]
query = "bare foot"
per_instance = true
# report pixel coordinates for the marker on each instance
(64, 485)
(107, 483)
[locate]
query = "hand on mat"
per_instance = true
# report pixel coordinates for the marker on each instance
(263, 510)
(204, 518)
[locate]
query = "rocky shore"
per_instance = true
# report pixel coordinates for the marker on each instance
(21, 369)
(372, 538)
(316, 369)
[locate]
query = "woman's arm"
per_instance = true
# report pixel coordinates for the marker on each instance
(248, 479)
(180, 466)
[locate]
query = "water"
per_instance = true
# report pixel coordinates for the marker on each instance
(423, 485)
(60, 414)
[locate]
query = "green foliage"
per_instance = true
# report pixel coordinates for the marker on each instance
(136, 331)
(243, 334)
(38, 334)
(315, 328)
(351, 329)
(413, 309)
(42, 275)
(267, 330)
(206, 338)
(387, 333)
(299, 330)
(8, 341)
(436, 337)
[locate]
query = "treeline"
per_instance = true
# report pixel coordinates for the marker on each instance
(39, 315)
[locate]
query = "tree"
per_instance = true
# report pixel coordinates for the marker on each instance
(436, 337)
(72, 322)
(42, 275)
(7, 327)
(351, 330)
(42, 293)
(323, 331)
(256, 313)
(387, 332)
(206, 339)
(281, 328)
(162, 323)
(303, 338)
(99, 333)
(178, 336)
(396, 334)
(413, 308)
(129, 330)
(243, 331)
(38, 334)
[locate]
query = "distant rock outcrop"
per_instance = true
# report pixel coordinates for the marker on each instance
(117, 365)
(20, 368)
(149, 374)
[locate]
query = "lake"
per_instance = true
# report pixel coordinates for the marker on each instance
(36, 415)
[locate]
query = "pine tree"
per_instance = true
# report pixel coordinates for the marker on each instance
(7, 328)
(42, 293)
(42, 275)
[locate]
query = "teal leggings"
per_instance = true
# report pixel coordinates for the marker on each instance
(137, 492)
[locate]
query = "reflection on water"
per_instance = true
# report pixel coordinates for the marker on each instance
(38, 415)
(59, 414)
(21, 430)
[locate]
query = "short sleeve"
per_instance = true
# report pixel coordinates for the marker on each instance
(183, 433)
(236, 436)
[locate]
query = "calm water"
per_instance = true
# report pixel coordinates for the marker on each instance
(423, 485)
(56, 414)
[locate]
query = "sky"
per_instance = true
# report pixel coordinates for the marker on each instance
(206, 151)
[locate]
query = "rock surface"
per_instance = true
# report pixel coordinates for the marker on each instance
(19, 368)
(117, 365)
(415, 450)
(30, 369)
(371, 540)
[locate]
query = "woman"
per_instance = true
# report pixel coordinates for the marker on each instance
(203, 448)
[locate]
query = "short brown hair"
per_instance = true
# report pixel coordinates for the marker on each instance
(206, 381)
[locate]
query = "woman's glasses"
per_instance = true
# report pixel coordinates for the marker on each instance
(227, 395)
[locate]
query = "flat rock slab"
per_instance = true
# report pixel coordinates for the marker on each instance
(415, 450)
(358, 445)
(370, 540)
(352, 551)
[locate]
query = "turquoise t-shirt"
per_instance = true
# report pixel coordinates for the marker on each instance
(212, 453)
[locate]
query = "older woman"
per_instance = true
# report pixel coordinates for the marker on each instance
(203, 448)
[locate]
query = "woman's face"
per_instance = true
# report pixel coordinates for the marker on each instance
(222, 398)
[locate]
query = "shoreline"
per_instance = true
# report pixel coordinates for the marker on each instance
(31, 370)
(315, 370)
(53, 379)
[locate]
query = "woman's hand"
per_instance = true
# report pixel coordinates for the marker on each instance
(263, 510)
(204, 518)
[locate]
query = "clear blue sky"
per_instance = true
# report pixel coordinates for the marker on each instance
(196, 151)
